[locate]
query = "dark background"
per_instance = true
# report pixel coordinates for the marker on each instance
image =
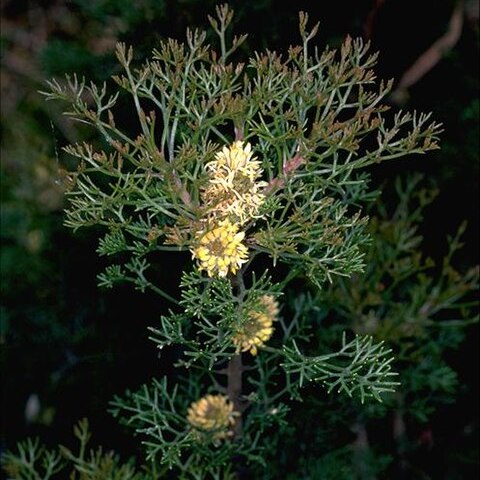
(73, 346)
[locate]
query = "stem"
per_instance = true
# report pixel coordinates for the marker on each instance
(234, 368)
(140, 112)
(153, 287)
(223, 47)
(234, 389)
(162, 293)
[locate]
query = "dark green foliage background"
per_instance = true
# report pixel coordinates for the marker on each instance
(76, 346)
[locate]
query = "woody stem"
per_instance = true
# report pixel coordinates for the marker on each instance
(235, 368)
(234, 389)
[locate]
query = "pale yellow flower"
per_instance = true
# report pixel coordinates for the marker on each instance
(220, 250)
(234, 188)
(239, 207)
(213, 414)
(258, 329)
(235, 160)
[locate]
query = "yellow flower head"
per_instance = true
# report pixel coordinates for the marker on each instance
(259, 327)
(233, 190)
(236, 160)
(221, 250)
(214, 414)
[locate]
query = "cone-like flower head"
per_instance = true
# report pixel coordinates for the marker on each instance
(258, 329)
(214, 414)
(234, 188)
(220, 250)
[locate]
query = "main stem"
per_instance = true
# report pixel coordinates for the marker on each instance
(235, 367)
(234, 389)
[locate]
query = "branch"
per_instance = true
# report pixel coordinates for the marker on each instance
(362, 367)
(434, 54)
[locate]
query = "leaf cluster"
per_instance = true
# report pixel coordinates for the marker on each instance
(419, 309)
(157, 412)
(34, 462)
(313, 118)
(422, 311)
(362, 365)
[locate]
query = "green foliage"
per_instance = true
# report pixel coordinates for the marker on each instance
(315, 121)
(338, 465)
(212, 313)
(317, 227)
(309, 132)
(421, 311)
(418, 314)
(362, 365)
(298, 113)
(158, 414)
(35, 462)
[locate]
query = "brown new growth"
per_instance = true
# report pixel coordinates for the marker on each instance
(288, 168)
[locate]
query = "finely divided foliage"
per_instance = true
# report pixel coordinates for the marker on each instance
(236, 162)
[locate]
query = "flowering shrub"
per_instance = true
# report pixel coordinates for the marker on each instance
(244, 165)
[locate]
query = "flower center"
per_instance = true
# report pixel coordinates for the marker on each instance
(217, 247)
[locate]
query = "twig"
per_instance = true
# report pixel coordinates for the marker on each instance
(288, 168)
(434, 54)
